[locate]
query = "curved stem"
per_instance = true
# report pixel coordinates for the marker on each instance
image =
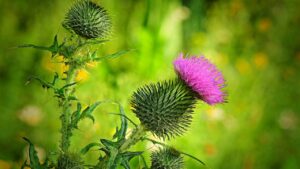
(66, 131)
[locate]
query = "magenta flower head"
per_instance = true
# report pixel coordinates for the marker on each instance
(202, 77)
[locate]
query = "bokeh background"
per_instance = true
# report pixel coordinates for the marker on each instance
(255, 43)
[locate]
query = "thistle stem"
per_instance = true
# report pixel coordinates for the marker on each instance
(134, 137)
(66, 130)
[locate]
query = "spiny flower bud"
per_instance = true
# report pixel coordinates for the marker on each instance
(164, 108)
(166, 158)
(88, 20)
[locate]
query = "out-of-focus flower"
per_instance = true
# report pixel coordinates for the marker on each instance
(260, 60)
(31, 115)
(82, 75)
(288, 120)
(202, 77)
(88, 20)
(215, 114)
(210, 149)
(5, 165)
(243, 66)
(264, 25)
(166, 158)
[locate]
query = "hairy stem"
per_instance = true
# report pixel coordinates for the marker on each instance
(134, 137)
(66, 130)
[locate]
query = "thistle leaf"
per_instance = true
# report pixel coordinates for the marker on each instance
(87, 112)
(88, 147)
(44, 84)
(34, 159)
(76, 116)
(121, 133)
(112, 56)
(54, 48)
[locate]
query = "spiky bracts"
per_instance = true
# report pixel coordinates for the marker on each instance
(88, 20)
(166, 158)
(202, 77)
(164, 108)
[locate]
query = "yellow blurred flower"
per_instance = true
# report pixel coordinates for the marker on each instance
(82, 75)
(209, 149)
(5, 165)
(260, 60)
(54, 64)
(243, 66)
(264, 25)
(215, 114)
(235, 7)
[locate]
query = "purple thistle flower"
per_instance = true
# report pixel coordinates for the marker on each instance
(202, 77)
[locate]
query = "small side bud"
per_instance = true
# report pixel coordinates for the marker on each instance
(166, 158)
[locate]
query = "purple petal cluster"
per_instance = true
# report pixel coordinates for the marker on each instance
(202, 77)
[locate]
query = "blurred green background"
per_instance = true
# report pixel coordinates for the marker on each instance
(255, 43)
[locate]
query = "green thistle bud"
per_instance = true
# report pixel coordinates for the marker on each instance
(164, 108)
(70, 160)
(88, 20)
(166, 158)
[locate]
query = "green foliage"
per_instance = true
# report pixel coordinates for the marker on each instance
(164, 108)
(88, 20)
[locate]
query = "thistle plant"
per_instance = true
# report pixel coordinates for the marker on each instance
(164, 109)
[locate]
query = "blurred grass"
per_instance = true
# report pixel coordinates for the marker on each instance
(255, 43)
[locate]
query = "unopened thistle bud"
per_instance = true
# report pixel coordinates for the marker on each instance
(164, 108)
(88, 20)
(166, 158)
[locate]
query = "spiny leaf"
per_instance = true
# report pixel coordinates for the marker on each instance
(193, 157)
(55, 79)
(54, 48)
(112, 56)
(87, 112)
(76, 116)
(135, 125)
(34, 159)
(121, 133)
(127, 156)
(68, 85)
(45, 84)
(108, 144)
(166, 146)
(88, 147)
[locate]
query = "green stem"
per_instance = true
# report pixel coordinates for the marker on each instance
(134, 137)
(66, 130)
